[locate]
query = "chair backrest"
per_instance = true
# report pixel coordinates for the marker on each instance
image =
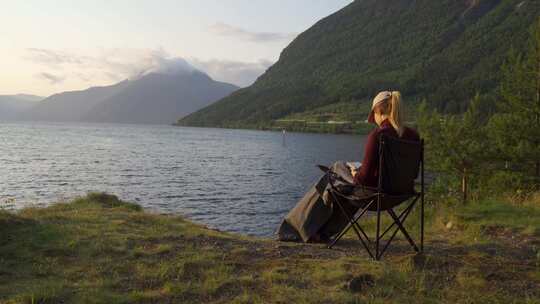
(399, 164)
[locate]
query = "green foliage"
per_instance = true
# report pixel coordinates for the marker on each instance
(515, 130)
(444, 51)
(498, 180)
(499, 150)
(455, 145)
(353, 112)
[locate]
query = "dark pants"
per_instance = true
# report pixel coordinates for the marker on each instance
(317, 212)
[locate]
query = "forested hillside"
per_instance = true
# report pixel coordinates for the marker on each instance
(443, 51)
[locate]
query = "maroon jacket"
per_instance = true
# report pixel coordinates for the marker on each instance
(368, 175)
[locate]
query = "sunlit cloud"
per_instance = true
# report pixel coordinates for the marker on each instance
(223, 29)
(53, 58)
(51, 78)
(113, 65)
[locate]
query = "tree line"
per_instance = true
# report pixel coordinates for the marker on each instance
(495, 145)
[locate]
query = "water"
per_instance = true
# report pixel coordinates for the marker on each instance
(234, 180)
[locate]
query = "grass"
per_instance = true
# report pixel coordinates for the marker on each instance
(486, 213)
(98, 249)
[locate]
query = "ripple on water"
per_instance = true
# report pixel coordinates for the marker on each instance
(235, 180)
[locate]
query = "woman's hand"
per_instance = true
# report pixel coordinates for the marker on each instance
(353, 171)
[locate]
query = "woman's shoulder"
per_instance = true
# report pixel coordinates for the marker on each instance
(373, 137)
(375, 133)
(411, 134)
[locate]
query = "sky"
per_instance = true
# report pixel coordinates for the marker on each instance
(50, 46)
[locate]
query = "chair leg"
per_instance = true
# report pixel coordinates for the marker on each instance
(339, 236)
(348, 227)
(402, 229)
(422, 191)
(402, 217)
(389, 241)
(351, 224)
(377, 240)
(357, 218)
(356, 230)
(422, 216)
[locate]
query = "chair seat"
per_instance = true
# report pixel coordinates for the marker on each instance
(361, 196)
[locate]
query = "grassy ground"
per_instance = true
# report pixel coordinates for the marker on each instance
(98, 249)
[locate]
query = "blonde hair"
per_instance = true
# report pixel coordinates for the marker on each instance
(394, 109)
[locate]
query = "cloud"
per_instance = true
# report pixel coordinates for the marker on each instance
(129, 63)
(236, 72)
(113, 65)
(53, 57)
(227, 30)
(51, 78)
(162, 63)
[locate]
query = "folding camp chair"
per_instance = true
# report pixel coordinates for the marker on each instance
(399, 164)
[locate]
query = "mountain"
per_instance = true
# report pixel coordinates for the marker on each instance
(25, 97)
(72, 106)
(444, 51)
(154, 98)
(12, 106)
(160, 98)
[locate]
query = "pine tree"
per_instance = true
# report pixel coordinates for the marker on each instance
(455, 145)
(515, 130)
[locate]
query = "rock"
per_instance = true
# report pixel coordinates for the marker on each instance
(361, 282)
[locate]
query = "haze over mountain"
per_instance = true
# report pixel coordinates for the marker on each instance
(72, 106)
(13, 106)
(158, 96)
(444, 51)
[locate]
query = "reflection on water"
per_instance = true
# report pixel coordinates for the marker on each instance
(234, 180)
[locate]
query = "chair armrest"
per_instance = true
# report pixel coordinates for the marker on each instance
(324, 169)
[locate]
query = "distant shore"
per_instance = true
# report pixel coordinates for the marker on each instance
(301, 126)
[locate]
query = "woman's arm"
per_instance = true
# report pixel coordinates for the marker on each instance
(370, 162)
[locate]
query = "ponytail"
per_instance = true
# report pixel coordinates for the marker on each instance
(396, 113)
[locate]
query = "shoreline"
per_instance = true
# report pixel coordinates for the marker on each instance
(100, 249)
(292, 129)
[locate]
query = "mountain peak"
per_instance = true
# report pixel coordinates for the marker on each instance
(169, 66)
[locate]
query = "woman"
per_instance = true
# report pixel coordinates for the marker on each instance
(315, 218)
